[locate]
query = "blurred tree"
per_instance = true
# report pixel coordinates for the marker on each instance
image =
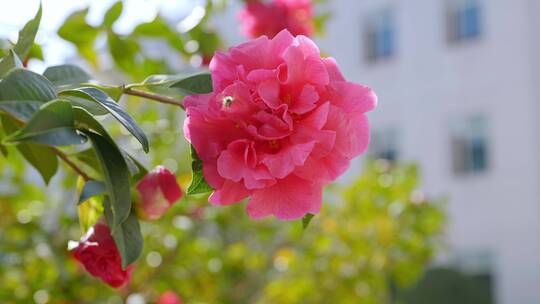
(376, 231)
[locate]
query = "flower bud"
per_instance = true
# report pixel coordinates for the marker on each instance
(158, 191)
(98, 254)
(169, 297)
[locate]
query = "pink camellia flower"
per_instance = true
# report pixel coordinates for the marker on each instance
(269, 18)
(169, 297)
(98, 254)
(158, 191)
(281, 123)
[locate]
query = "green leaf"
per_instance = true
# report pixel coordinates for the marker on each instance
(10, 62)
(21, 84)
(77, 31)
(127, 236)
(3, 149)
(27, 36)
(197, 84)
(36, 52)
(20, 109)
(124, 52)
(52, 125)
(88, 157)
(306, 220)
(108, 104)
(113, 14)
(116, 175)
(40, 157)
(89, 212)
(91, 188)
(66, 74)
(85, 121)
(198, 183)
(137, 170)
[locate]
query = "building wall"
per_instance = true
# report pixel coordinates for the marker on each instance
(428, 84)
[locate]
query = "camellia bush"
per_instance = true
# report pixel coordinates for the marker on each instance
(273, 123)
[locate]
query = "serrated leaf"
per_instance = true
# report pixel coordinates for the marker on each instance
(21, 84)
(42, 158)
(66, 74)
(198, 183)
(91, 188)
(27, 36)
(52, 125)
(306, 220)
(116, 111)
(113, 14)
(116, 175)
(197, 84)
(127, 236)
(20, 109)
(9, 62)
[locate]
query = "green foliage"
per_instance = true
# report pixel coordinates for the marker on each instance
(27, 36)
(81, 34)
(52, 125)
(198, 183)
(116, 175)
(91, 188)
(113, 14)
(66, 74)
(127, 235)
(103, 100)
(9, 62)
(197, 84)
(22, 84)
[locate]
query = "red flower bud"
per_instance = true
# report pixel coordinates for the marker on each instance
(98, 254)
(169, 297)
(158, 191)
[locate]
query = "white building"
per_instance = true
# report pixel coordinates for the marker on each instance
(459, 92)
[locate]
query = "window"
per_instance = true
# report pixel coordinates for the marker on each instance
(384, 145)
(469, 145)
(464, 20)
(379, 36)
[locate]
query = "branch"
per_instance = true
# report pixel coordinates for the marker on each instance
(153, 96)
(71, 164)
(60, 154)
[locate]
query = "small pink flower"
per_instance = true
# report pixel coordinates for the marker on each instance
(169, 297)
(269, 18)
(98, 254)
(281, 123)
(158, 191)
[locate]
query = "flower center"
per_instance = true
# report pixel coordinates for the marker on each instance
(227, 101)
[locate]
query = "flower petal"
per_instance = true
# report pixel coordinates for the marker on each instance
(289, 199)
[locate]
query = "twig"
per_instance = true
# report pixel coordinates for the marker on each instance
(153, 96)
(71, 164)
(59, 153)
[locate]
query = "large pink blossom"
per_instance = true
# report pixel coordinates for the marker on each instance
(269, 18)
(281, 123)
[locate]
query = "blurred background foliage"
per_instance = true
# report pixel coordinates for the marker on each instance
(374, 237)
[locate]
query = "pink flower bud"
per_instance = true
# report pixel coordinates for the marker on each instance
(158, 191)
(98, 254)
(169, 297)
